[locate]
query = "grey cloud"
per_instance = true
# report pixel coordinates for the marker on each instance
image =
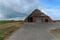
(9, 13)
(16, 8)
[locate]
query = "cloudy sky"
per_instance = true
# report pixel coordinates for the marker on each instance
(19, 9)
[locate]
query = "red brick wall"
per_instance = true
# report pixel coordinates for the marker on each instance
(43, 19)
(34, 19)
(46, 17)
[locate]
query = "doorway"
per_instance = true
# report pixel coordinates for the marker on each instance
(30, 19)
(38, 19)
(46, 20)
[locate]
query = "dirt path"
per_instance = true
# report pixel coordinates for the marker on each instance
(18, 24)
(35, 31)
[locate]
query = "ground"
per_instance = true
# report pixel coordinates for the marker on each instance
(56, 31)
(7, 28)
(36, 31)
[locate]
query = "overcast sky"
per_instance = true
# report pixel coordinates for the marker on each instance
(19, 9)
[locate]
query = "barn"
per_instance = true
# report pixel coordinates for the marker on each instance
(37, 16)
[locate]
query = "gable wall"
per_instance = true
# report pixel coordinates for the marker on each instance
(46, 17)
(42, 19)
(38, 13)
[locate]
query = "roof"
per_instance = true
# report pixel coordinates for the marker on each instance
(36, 12)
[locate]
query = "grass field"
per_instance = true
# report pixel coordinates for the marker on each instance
(8, 21)
(6, 32)
(7, 27)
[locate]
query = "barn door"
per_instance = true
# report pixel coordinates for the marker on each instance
(38, 19)
(46, 20)
(30, 19)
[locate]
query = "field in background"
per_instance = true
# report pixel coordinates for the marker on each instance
(9, 21)
(7, 27)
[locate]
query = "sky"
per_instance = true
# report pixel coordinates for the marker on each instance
(20, 9)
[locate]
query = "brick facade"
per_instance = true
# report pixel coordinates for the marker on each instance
(46, 17)
(38, 13)
(42, 19)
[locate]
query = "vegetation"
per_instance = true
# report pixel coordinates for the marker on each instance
(9, 21)
(56, 21)
(6, 32)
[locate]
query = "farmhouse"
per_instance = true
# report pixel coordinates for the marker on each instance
(38, 16)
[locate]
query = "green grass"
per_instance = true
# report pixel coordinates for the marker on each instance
(6, 32)
(8, 21)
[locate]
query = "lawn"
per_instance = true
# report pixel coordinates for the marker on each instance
(9, 21)
(7, 27)
(4, 33)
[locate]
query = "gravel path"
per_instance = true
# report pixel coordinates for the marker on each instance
(35, 31)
